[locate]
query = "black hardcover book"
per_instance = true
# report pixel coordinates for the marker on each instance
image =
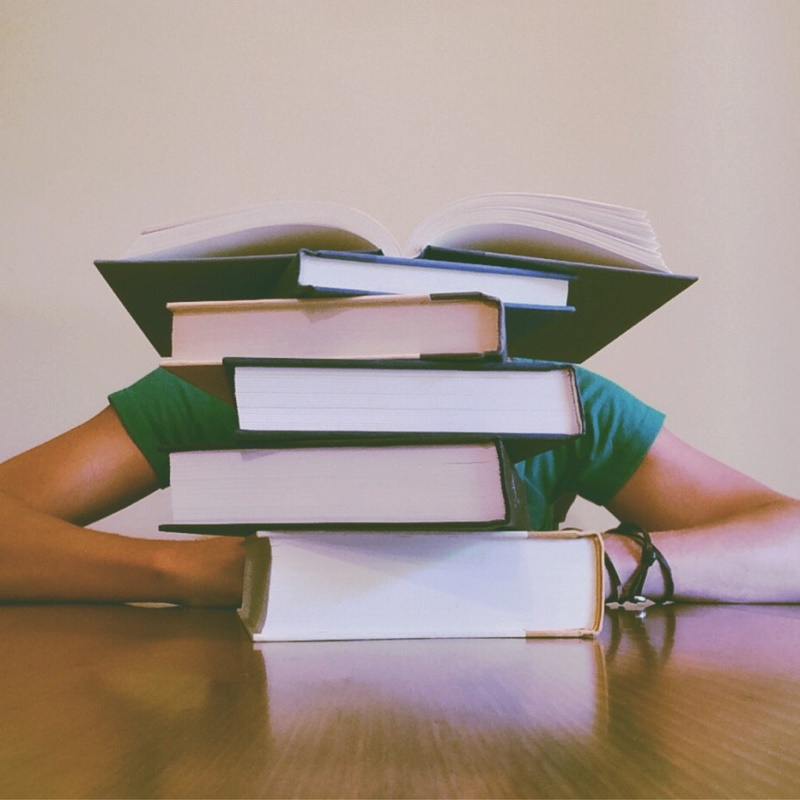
(531, 405)
(429, 483)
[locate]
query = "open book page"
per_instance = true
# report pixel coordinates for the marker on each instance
(514, 223)
(273, 228)
(544, 226)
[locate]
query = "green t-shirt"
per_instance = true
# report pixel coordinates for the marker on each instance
(161, 411)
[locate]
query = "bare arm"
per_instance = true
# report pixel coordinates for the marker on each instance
(727, 537)
(82, 475)
(49, 492)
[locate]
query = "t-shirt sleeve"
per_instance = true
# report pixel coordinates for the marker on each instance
(620, 429)
(160, 411)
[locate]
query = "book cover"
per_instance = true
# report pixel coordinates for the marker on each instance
(607, 302)
(145, 287)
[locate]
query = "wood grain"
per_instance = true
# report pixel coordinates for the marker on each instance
(117, 702)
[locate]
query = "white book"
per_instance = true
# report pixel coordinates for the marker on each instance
(381, 585)
(470, 484)
(507, 399)
(365, 327)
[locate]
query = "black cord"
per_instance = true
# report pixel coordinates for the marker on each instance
(632, 591)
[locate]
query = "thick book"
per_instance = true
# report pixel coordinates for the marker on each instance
(519, 223)
(470, 485)
(302, 586)
(369, 326)
(529, 405)
(606, 302)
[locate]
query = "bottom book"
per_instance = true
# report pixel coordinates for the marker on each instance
(305, 586)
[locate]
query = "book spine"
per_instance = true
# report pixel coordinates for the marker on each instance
(514, 494)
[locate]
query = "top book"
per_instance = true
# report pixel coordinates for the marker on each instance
(546, 226)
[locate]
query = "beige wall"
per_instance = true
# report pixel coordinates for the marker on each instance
(115, 115)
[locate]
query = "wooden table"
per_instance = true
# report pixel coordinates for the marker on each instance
(141, 702)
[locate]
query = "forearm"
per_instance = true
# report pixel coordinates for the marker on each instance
(45, 559)
(47, 494)
(750, 557)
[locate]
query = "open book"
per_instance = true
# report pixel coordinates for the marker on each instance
(514, 223)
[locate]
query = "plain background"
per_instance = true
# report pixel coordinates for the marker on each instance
(115, 115)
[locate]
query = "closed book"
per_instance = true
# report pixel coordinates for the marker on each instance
(606, 302)
(529, 405)
(387, 585)
(371, 326)
(429, 484)
(330, 272)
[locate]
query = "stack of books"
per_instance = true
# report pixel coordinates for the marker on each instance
(382, 404)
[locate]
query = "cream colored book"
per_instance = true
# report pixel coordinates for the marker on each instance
(405, 484)
(369, 327)
(380, 585)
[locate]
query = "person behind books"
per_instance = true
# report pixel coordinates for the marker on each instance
(726, 537)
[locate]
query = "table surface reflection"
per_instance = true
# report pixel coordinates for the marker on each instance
(687, 701)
